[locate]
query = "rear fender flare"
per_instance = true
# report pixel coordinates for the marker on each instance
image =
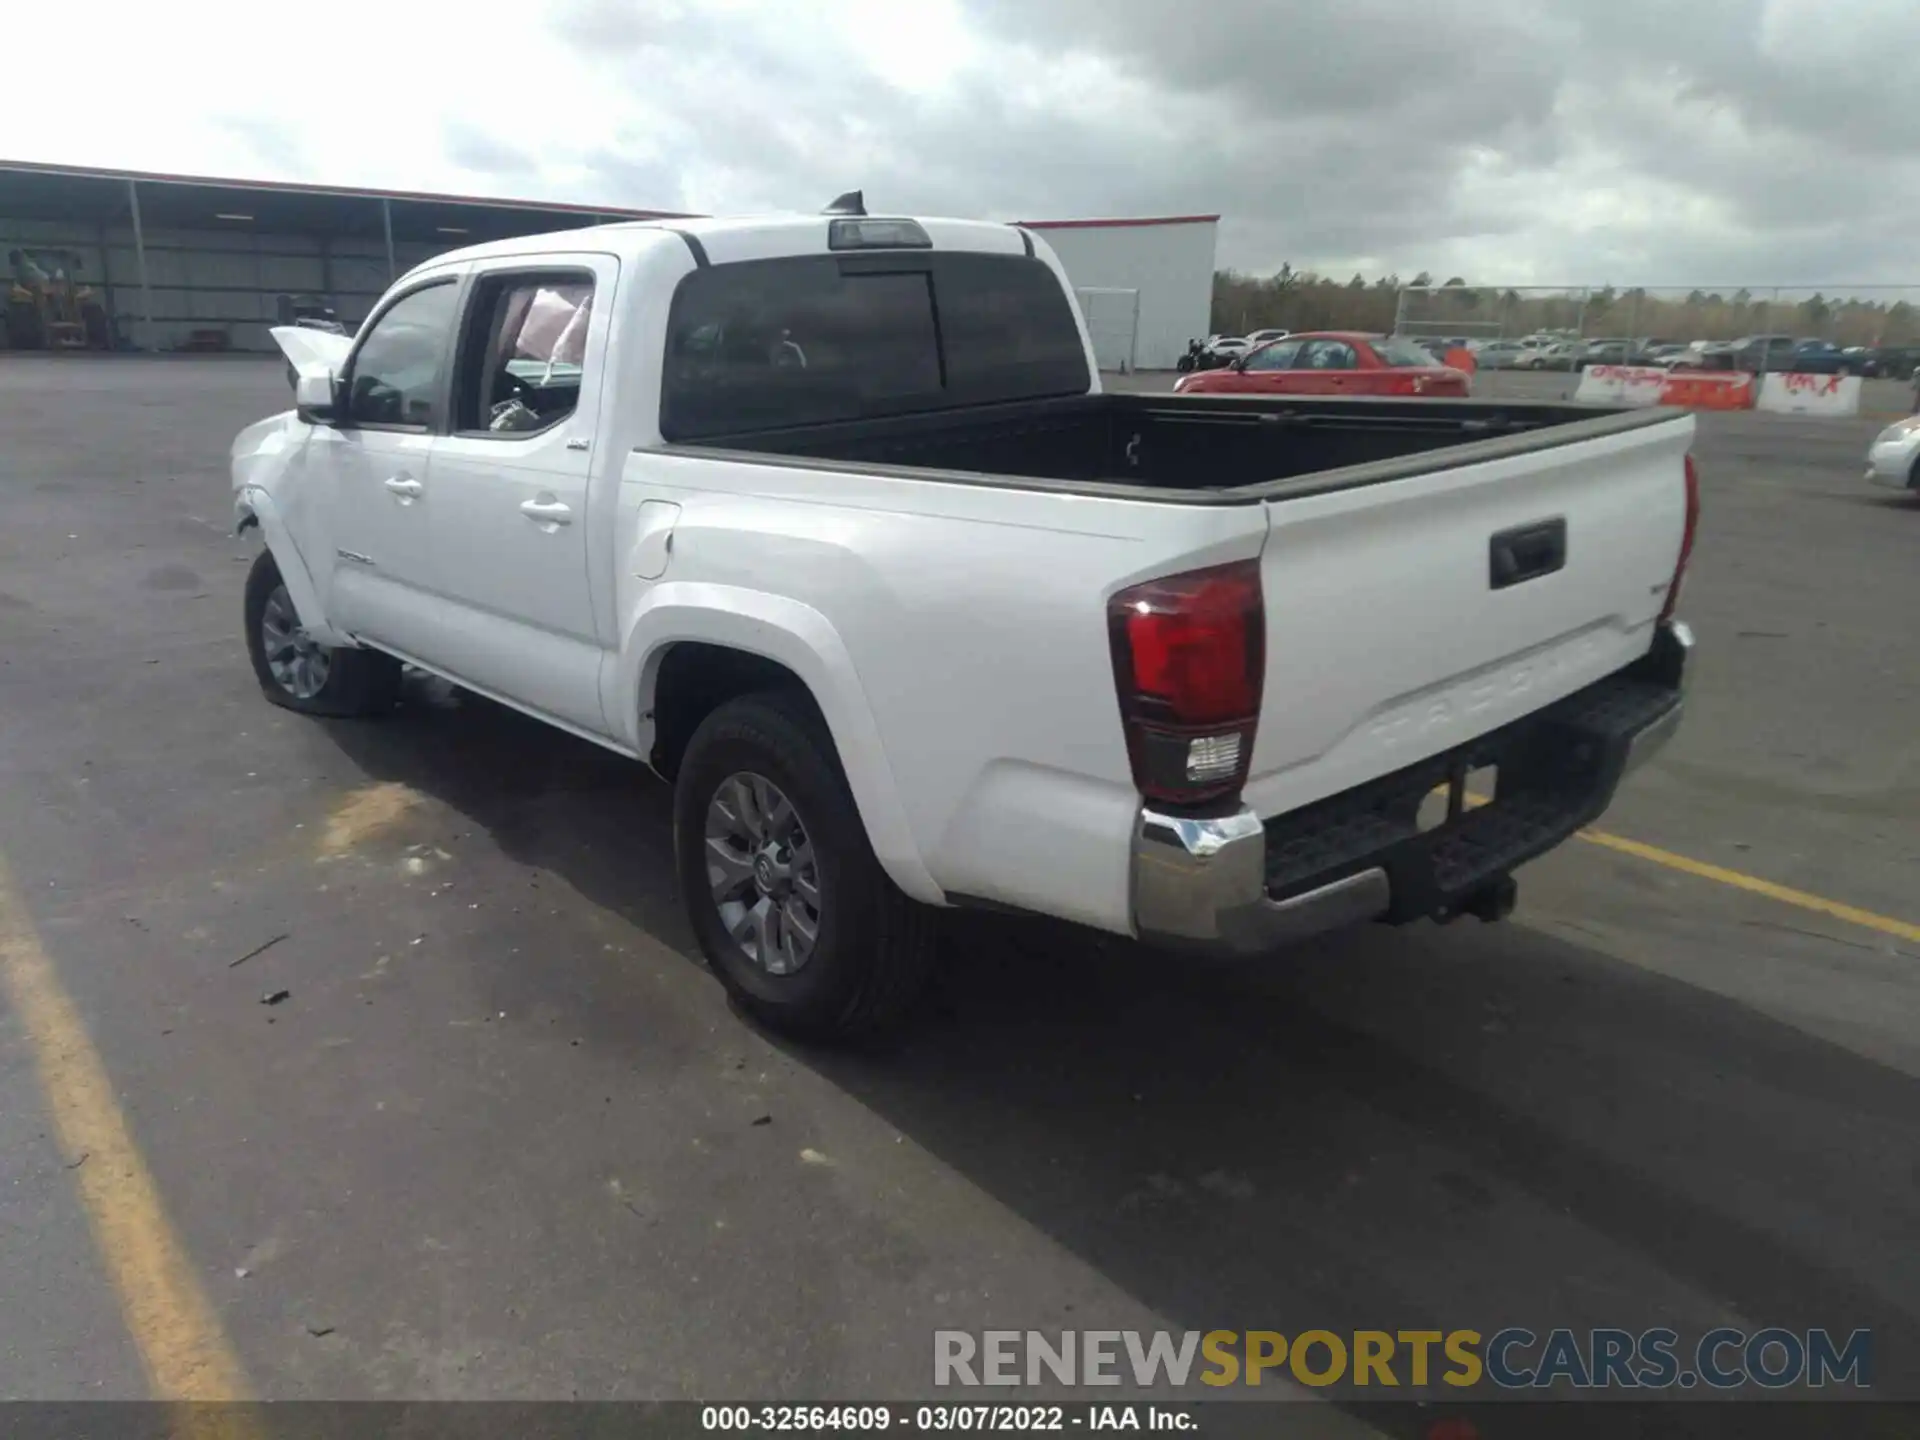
(804, 641)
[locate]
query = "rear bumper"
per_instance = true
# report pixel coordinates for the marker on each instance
(1239, 885)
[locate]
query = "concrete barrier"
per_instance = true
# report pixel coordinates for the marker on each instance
(1619, 385)
(1796, 394)
(1708, 390)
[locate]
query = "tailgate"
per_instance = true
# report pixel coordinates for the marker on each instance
(1388, 639)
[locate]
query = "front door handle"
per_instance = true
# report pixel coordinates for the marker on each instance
(547, 512)
(405, 486)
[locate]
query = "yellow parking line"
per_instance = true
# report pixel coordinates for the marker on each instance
(1754, 885)
(182, 1345)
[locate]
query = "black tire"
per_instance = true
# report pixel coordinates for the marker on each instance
(873, 954)
(358, 682)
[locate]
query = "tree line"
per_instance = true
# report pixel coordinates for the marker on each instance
(1293, 299)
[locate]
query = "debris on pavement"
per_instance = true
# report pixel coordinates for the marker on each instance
(78, 1163)
(260, 949)
(274, 997)
(764, 1120)
(1227, 1186)
(319, 1331)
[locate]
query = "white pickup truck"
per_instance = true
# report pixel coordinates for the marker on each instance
(828, 520)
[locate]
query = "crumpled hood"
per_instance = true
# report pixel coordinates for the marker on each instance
(313, 352)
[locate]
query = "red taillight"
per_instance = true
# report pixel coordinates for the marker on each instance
(1686, 539)
(1188, 657)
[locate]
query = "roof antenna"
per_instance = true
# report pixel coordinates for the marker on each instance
(853, 202)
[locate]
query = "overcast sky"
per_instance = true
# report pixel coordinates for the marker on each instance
(1512, 141)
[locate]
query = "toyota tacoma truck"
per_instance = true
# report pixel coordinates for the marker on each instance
(828, 520)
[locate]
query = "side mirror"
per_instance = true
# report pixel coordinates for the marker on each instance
(1239, 362)
(316, 398)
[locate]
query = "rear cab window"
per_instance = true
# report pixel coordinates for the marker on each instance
(817, 339)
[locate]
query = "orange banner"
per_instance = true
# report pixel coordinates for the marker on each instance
(1714, 390)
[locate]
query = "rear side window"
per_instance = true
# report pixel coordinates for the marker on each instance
(810, 340)
(522, 355)
(1325, 355)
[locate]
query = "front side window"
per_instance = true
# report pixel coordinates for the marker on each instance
(1278, 356)
(396, 372)
(523, 353)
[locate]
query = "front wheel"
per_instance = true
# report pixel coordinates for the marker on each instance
(790, 907)
(297, 671)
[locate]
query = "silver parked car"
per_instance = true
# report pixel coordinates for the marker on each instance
(1893, 460)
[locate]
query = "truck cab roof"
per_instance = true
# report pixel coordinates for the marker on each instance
(724, 241)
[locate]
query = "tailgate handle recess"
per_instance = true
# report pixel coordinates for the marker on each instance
(1526, 552)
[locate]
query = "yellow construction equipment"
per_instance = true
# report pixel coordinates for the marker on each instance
(47, 309)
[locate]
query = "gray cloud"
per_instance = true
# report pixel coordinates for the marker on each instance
(272, 143)
(1716, 141)
(471, 148)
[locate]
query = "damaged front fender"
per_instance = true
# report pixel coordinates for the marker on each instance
(277, 489)
(253, 506)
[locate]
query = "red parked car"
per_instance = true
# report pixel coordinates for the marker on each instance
(1330, 362)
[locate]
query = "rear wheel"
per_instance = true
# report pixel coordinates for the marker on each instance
(298, 672)
(788, 903)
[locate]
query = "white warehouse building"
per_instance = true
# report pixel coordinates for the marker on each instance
(1146, 285)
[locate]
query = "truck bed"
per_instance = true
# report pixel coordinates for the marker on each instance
(1201, 448)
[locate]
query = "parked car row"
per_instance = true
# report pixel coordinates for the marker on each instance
(1766, 354)
(1755, 354)
(1330, 362)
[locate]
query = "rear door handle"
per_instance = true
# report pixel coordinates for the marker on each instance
(548, 512)
(405, 486)
(1526, 552)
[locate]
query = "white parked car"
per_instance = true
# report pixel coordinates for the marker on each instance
(1893, 460)
(1562, 355)
(911, 615)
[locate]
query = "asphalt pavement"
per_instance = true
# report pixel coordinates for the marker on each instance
(503, 1138)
